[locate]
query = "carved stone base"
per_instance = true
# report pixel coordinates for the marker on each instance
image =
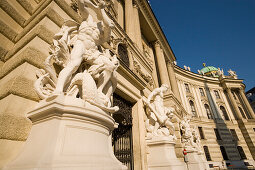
(68, 134)
(196, 161)
(162, 155)
(204, 161)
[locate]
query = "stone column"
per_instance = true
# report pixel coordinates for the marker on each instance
(173, 82)
(241, 91)
(138, 37)
(233, 103)
(120, 14)
(129, 19)
(161, 64)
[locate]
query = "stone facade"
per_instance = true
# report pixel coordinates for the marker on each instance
(146, 62)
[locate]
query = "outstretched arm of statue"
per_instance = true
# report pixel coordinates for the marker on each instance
(83, 6)
(153, 94)
(107, 22)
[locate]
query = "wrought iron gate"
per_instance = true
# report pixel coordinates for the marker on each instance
(122, 136)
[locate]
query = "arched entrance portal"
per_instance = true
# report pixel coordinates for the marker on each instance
(122, 136)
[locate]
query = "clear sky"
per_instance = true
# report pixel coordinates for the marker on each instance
(220, 33)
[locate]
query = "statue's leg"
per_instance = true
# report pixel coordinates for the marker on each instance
(106, 75)
(156, 128)
(72, 66)
(170, 127)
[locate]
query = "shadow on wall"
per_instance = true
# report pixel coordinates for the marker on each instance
(225, 137)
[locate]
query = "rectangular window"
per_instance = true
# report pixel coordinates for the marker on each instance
(207, 153)
(217, 95)
(202, 93)
(187, 88)
(217, 134)
(234, 135)
(241, 152)
(224, 153)
(201, 133)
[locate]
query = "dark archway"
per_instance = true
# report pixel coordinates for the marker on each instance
(122, 136)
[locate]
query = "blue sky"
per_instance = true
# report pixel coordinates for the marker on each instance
(220, 33)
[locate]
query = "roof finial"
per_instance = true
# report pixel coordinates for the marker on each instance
(204, 64)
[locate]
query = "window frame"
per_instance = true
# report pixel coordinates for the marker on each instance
(201, 132)
(224, 113)
(224, 153)
(241, 152)
(202, 92)
(207, 153)
(187, 89)
(217, 94)
(193, 108)
(217, 134)
(208, 111)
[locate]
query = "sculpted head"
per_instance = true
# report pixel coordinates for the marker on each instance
(164, 87)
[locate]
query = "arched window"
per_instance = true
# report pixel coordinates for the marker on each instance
(217, 95)
(242, 113)
(192, 107)
(241, 152)
(187, 88)
(123, 54)
(224, 153)
(224, 112)
(202, 93)
(208, 111)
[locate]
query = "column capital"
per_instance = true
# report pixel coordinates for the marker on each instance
(170, 63)
(156, 43)
(135, 5)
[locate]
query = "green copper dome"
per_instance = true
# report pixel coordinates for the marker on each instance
(209, 71)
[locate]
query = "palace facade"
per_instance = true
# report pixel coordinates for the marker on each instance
(220, 110)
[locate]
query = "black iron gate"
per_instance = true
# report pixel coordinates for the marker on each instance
(122, 136)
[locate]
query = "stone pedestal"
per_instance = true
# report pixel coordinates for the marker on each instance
(68, 134)
(162, 155)
(196, 161)
(204, 161)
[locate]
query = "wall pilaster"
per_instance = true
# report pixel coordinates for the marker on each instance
(247, 104)
(137, 30)
(161, 63)
(234, 104)
(173, 82)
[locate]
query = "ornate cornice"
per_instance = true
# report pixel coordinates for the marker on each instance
(152, 21)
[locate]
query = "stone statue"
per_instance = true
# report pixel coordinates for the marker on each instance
(196, 140)
(190, 137)
(232, 73)
(86, 70)
(159, 117)
(187, 137)
(220, 72)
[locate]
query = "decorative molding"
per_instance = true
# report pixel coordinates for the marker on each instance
(149, 16)
(157, 43)
(138, 71)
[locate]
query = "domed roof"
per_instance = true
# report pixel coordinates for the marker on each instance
(209, 70)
